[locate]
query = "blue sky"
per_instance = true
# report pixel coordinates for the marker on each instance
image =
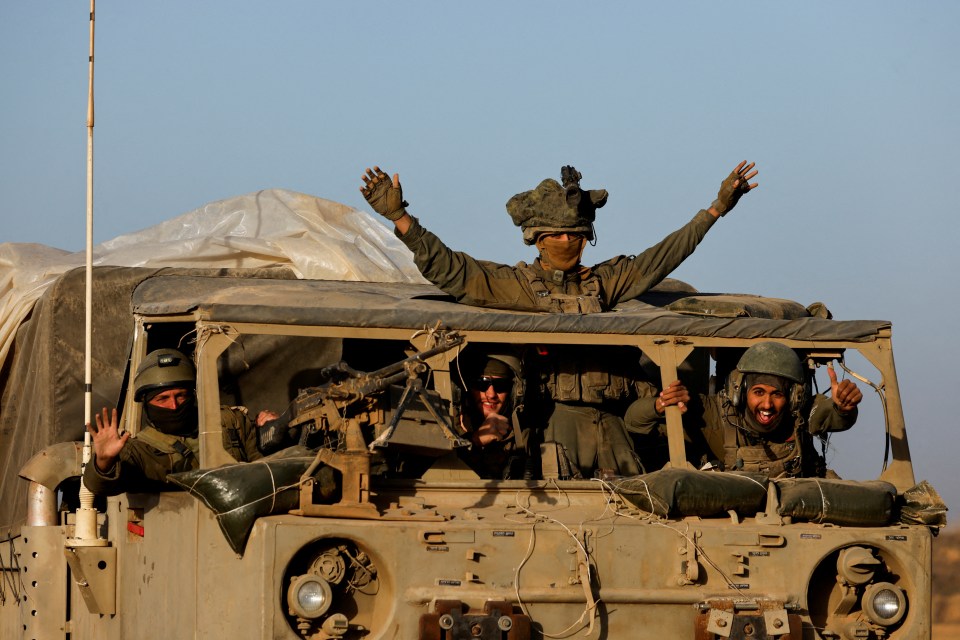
(849, 109)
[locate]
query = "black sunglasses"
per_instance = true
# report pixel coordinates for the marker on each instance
(500, 385)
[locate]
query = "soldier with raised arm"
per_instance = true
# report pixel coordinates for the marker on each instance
(558, 220)
(165, 383)
(764, 420)
(586, 392)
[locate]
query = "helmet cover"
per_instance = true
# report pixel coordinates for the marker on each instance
(163, 369)
(552, 208)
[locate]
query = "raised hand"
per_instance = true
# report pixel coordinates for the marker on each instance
(107, 441)
(734, 186)
(846, 395)
(383, 194)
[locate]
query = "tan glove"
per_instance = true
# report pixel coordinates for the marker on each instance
(733, 187)
(383, 196)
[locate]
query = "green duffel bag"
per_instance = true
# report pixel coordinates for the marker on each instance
(842, 502)
(238, 494)
(685, 492)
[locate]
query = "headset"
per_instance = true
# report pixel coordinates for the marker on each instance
(735, 391)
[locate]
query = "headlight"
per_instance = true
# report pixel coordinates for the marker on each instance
(884, 603)
(309, 596)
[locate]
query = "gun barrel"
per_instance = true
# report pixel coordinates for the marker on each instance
(350, 385)
(448, 341)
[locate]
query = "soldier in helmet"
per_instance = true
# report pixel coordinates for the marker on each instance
(491, 416)
(167, 442)
(764, 420)
(558, 220)
(585, 395)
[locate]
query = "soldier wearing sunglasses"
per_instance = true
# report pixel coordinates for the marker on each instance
(490, 417)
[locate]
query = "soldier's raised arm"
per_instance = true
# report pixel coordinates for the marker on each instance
(733, 188)
(385, 196)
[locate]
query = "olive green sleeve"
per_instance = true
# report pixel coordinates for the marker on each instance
(239, 434)
(103, 483)
(136, 470)
(470, 281)
(625, 278)
(642, 417)
(825, 417)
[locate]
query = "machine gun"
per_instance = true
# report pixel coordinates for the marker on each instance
(354, 403)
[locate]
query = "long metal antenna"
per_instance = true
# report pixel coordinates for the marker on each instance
(86, 522)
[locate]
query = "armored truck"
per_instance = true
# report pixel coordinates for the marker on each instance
(324, 539)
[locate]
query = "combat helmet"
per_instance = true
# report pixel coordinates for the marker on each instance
(772, 359)
(556, 208)
(163, 369)
(499, 362)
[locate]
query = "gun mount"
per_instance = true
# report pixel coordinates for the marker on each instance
(357, 413)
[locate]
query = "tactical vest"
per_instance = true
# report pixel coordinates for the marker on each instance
(234, 422)
(185, 451)
(181, 452)
(591, 375)
(794, 458)
(573, 374)
(587, 301)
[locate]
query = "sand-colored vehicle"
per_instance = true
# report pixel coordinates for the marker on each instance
(446, 555)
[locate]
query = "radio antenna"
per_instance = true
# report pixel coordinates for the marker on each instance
(86, 523)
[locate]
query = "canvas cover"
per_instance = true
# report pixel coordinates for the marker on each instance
(270, 234)
(413, 306)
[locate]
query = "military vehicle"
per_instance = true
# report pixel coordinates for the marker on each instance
(317, 541)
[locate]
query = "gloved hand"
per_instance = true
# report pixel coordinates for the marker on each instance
(733, 187)
(383, 194)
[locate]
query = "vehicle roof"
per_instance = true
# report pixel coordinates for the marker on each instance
(413, 306)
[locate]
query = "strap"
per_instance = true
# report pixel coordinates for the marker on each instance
(172, 445)
(183, 450)
(731, 446)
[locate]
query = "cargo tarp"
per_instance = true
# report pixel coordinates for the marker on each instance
(269, 234)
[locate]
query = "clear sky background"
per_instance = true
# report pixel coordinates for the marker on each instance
(850, 110)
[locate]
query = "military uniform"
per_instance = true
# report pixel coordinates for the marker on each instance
(584, 392)
(147, 458)
(498, 460)
(531, 288)
(584, 417)
(718, 436)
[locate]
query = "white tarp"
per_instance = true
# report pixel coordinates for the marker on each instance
(318, 239)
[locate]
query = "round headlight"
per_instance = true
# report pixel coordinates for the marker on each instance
(884, 603)
(309, 596)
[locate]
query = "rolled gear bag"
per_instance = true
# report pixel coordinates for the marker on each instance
(685, 492)
(841, 502)
(238, 494)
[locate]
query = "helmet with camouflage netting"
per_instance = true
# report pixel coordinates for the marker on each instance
(556, 208)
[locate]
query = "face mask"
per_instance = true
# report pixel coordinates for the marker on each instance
(562, 254)
(182, 421)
